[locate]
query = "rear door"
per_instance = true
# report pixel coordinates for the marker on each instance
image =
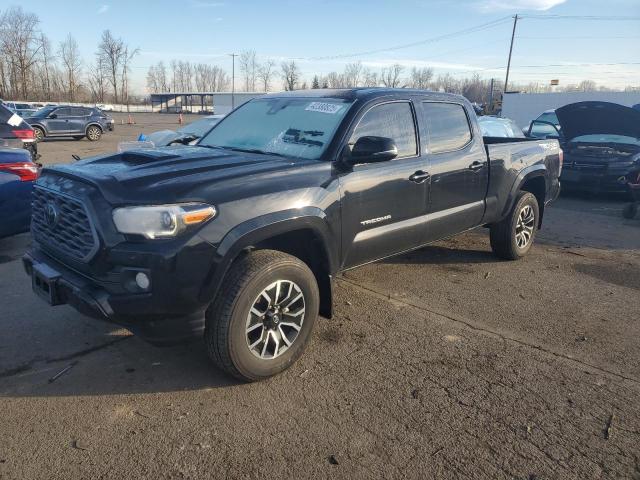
(458, 167)
(381, 206)
(78, 119)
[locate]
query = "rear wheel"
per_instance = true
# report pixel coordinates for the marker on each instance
(262, 319)
(38, 133)
(94, 133)
(512, 238)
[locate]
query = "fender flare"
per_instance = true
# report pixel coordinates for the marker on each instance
(91, 125)
(526, 174)
(40, 126)
(256, 230)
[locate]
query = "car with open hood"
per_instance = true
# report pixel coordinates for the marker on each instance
(601, 142)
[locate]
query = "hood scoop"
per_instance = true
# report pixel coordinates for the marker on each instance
(141, 157)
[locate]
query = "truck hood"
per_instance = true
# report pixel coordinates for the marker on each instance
(177, 173)
(590, 118)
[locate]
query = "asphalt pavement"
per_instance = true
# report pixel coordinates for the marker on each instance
(442, 363)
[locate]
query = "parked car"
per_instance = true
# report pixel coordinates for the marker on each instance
(238, 238)
(542, 127)
(20, 108)
(68, 121)
(601, 141)
(105, 108)
(16, 133)
(187, 134)
(499, 127)
(18, 173)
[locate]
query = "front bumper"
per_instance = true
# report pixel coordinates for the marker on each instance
(161, 316)
(606, 181)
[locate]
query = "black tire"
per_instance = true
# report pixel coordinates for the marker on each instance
(504, 234)
(38, 134)
(226, 335)
(94, 133)
(630, 210)
(78, 137)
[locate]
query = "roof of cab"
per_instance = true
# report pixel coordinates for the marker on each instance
(364, 93)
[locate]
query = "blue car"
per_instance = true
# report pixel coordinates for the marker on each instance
(18, 173)
(69, 121)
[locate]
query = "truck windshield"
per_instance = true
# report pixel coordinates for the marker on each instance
(293, 127)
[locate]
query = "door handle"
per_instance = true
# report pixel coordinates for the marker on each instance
(476, 165)
(419, 176)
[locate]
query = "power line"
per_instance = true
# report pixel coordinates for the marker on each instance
(466, 31)
(612, 18)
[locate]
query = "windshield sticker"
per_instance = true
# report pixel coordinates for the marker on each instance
(322, 107)
(15, 120)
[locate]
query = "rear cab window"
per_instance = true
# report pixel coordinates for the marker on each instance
(391, 120)
(447, 125)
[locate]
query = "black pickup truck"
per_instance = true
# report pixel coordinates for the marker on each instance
(238, 238)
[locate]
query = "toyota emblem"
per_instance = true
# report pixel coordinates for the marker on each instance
(51, 215)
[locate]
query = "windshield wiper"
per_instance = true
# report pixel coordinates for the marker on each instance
(247, 150)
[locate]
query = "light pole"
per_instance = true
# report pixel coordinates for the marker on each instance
(513, 35)
(233, 78)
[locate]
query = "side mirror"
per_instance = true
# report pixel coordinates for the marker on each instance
(371, 149)
(53, 115)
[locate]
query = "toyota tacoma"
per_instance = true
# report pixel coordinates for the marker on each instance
(238, 238)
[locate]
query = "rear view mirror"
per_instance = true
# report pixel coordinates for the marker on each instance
(53, 115)
(371, 149)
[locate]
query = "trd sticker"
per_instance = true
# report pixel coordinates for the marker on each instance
(323, 107)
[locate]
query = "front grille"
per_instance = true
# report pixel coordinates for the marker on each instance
(61, 223)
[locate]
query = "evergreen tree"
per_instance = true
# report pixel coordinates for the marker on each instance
(315, 83)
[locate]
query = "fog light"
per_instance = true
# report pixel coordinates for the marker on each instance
(142, 280)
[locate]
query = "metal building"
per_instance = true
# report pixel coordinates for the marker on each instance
(199, 102)
(524, 107)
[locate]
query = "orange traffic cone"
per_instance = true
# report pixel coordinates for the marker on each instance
(180, 119)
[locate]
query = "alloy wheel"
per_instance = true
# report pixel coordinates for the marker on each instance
(525, 226)
(275, 319)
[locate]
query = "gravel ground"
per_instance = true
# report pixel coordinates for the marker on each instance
(442, 363)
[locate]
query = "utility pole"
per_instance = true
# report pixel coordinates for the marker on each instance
(490, 107)
(513, 36)
(233, 78)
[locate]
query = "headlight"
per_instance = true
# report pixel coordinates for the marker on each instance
(161, 221)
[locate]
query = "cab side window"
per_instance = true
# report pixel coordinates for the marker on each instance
(448, 126)
(392, 120)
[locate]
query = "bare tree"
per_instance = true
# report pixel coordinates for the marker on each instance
(152, 80)
(265, 73)
(352, 74)
(70, 56)
(420, 77)
(290, 74)
(390, 77)
(249, 68)
(126, 65)
(113, 53)
(19, 45)
(96, 80)
(369, 78)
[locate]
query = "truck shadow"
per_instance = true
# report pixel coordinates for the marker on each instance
(443, 255)
(121, 365)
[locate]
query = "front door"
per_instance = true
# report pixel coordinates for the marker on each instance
(60, 124)
(458, 167)
(382, 203)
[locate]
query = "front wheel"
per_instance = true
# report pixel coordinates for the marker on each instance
(262, 319)
(38, 133)
(512, 237)
(94, 133)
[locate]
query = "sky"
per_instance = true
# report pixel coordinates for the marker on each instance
(325, 35)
